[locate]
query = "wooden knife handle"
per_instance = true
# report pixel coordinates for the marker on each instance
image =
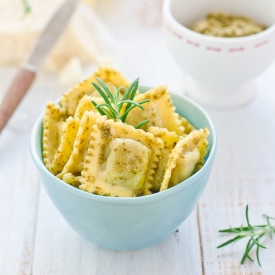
(14, 94)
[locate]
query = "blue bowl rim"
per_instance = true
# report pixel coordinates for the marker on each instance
(125, 200)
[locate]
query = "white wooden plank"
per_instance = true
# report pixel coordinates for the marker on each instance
(243, 174)
(19, 181)
(18, 190)
(18, 196)
(59, 250)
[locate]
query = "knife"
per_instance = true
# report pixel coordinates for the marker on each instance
(39, 52)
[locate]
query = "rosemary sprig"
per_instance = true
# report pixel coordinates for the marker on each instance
(253, 232)
(26, 7)
(115, 109)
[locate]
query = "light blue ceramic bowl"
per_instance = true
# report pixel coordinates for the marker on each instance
(129, 223)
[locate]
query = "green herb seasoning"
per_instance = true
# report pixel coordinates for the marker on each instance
(225, 25)
(115, 108)
(26, 7)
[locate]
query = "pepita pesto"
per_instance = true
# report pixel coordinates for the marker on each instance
(222, 24)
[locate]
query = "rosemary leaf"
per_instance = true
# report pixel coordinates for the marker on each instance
(134, 89)
(110, 95)
(268, 217)
(106, 112)
(27, 8)
(144, 101)
(247, 250)
(142, 123)
(99, 110)
(257, 254)
(109, 107)
(229, 241)
(116, 96)
(257, 243)
(132, 92)
(103, 111)
(131, 102)
(239, 229)
(102, 93)
(247, 218)
(126, 94)
(125, 114)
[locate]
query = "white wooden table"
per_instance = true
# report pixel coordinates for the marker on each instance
(34, 238)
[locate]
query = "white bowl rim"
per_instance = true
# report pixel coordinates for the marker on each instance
(226, 40)
(126, 200)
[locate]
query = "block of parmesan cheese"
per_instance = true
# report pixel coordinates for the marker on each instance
(81, 39)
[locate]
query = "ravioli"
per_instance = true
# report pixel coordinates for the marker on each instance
(70, 179)
(188, 127)
(121, 160)
(85, 104)
(54, 120)
(186, 158)
(160, 111)
(110, 76)
(65, 147)
(109, 156)
(74, 166)
(170, 139)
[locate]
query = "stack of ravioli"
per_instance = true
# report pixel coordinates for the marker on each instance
(110, 158)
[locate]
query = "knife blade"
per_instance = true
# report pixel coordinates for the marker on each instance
(37, 55)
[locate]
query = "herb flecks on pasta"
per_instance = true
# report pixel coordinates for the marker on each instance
(54, 120)
(106, 138)
(121, 160)
(65, 147)
(74, 166)
(186, 158)
(170, 139)
(159, 110)
(85, 104)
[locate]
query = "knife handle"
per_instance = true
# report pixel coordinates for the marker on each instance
(14, 94)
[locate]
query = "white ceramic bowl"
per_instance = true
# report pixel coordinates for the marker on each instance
(220, 71)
